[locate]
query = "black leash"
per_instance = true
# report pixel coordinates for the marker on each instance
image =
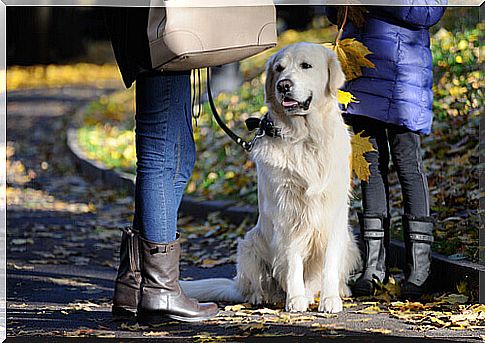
(264, 125)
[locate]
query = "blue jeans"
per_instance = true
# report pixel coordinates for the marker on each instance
(165, 152)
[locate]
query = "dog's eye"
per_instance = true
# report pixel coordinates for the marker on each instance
(305, 65)
(279, 68)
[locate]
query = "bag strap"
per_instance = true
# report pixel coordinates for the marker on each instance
(196, 73)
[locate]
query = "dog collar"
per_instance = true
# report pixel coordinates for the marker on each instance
(265, 127)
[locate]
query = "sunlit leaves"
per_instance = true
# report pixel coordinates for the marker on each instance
(253, 66)
(459, 80)
(61, 75)
(109, 144)
(444, 312)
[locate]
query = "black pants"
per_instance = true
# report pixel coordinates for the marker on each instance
(405, 150)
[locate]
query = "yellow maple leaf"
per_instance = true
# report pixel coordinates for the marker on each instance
(360, 166)
(351, 54)
(237, 307)
(345, 98)
(156, 333)
(373, 309)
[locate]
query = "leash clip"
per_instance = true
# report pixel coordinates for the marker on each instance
(259, 134)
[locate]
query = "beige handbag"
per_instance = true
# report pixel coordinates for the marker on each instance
(190, 34)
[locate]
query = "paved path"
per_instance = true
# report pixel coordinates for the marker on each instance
(63, 248)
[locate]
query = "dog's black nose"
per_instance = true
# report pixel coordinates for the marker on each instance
(284, 86)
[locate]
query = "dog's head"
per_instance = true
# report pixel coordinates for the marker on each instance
(300, 77)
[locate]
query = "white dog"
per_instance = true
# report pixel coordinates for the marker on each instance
(301, 244)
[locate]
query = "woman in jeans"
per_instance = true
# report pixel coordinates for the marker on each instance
(394, 108)
(148, 275)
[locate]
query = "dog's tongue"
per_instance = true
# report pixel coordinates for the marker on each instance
(289, 103)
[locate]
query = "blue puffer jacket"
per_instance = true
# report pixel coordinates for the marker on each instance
(398, 90)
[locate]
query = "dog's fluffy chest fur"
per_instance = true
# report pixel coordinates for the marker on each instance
(291, 179)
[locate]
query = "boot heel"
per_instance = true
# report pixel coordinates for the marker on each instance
(122, 313)
(145, 317)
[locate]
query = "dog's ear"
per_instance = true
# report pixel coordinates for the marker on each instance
(336, 76)
(268, 85)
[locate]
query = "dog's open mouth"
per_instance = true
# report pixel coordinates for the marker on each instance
(291, 104)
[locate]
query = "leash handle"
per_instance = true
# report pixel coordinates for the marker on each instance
(241, 142)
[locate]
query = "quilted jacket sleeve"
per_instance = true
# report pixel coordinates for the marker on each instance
(418, 16)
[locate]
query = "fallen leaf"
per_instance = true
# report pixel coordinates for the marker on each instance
(69, 282)
(234, 307)
(156, 333)
(266, 311)
(253, 327)
(383, 331)
(22, 241)
(455, 299)
(134, 327)
(373, 309)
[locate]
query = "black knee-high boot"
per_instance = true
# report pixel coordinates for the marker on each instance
(375, 237)
(418, 236)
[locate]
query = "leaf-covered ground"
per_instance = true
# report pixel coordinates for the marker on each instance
(62, 241)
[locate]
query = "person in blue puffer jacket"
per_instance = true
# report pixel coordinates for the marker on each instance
(394, 107)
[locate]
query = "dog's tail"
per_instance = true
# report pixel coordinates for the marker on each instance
(212, 290)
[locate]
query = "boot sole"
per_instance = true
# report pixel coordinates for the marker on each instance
(161, 317)
(121, 313)
(191, 320)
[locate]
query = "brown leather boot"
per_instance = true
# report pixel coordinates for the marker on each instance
(161, 295)
(128, 280)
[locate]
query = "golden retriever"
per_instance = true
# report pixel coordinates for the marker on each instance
(301, 244)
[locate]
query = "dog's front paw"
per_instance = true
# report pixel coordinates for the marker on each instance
(297, 303)
(330, 305)
(345, 291)
(256, 298)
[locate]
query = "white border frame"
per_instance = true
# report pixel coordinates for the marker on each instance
(132, 3)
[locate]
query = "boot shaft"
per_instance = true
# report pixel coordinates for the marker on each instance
(161, 294)
(127, 284)
(129, 267)
(375, 240)
(418, 237)
(160, 264)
